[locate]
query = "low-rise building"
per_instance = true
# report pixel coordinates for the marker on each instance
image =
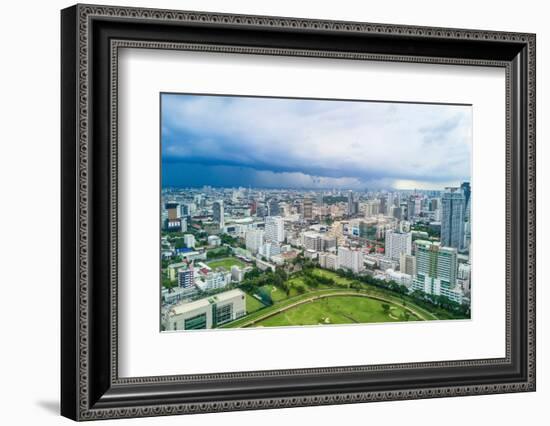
(206, 313)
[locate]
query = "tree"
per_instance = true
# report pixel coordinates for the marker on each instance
(386, 308)
(300, 288)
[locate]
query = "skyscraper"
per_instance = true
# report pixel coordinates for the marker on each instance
(218, 213)
(273, 207)
(307, 208)
(351, 204)
(436, 269)
(414, 206)
(467, 191)
(452, 218)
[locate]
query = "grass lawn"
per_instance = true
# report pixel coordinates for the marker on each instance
(328, 274)
(276, 293)
(226, 263)
(253, 304)
(337, 310)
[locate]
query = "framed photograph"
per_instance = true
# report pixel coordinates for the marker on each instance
(263, 212)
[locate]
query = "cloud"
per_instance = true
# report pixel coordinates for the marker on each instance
(320, 142)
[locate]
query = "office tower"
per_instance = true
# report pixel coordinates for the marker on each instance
(436, 268)
(434, 204)
(397, 243)
(274, 229)
(407, 264)
(383, 209)
(218, 213)
(372, 208)
(452, 218)
(397, 212)
(186, 277)
(261, 210)
(307, 209)
(254, 238)
(414, 206)
(319, 199)
(273, 207)
(350, 259)
(351, 204)
(467, 191)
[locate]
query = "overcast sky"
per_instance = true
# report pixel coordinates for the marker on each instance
(290, 143)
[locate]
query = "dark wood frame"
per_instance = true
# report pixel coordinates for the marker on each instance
(90, 386)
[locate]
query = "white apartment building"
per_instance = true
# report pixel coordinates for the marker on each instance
(397, 243)
(399, 277)
(254, 238)
(328, 261)
(269, 249)
(350, 259)
(275, 229)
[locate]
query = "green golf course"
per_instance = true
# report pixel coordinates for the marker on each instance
(353, 309)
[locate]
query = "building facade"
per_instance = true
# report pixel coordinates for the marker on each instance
(452, 218)
(397, 243)
(436, 269)
(350, 259)
(275, 229)
(206, 313)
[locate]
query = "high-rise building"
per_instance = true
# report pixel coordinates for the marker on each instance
(383, 209)
(218, 213)
(172, 209)
(407, 264)
(328, 261)
(273, 207)
(436, 268)
(372, 208)
(414, 206)
(467, 191)
(274, 229)
(452, 218)
(352, 205)
(307, 209)
(312, 241)
(397, 243)
(254, 238)
(397, 212)
(350, 259)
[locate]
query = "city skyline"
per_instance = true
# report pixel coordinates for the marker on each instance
(312, 144)
(283, 212)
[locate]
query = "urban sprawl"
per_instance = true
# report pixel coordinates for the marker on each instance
(251, 257)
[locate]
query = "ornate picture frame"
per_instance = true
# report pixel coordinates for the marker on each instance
(91, 37)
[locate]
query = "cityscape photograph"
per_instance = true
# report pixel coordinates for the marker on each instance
(282, 212)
